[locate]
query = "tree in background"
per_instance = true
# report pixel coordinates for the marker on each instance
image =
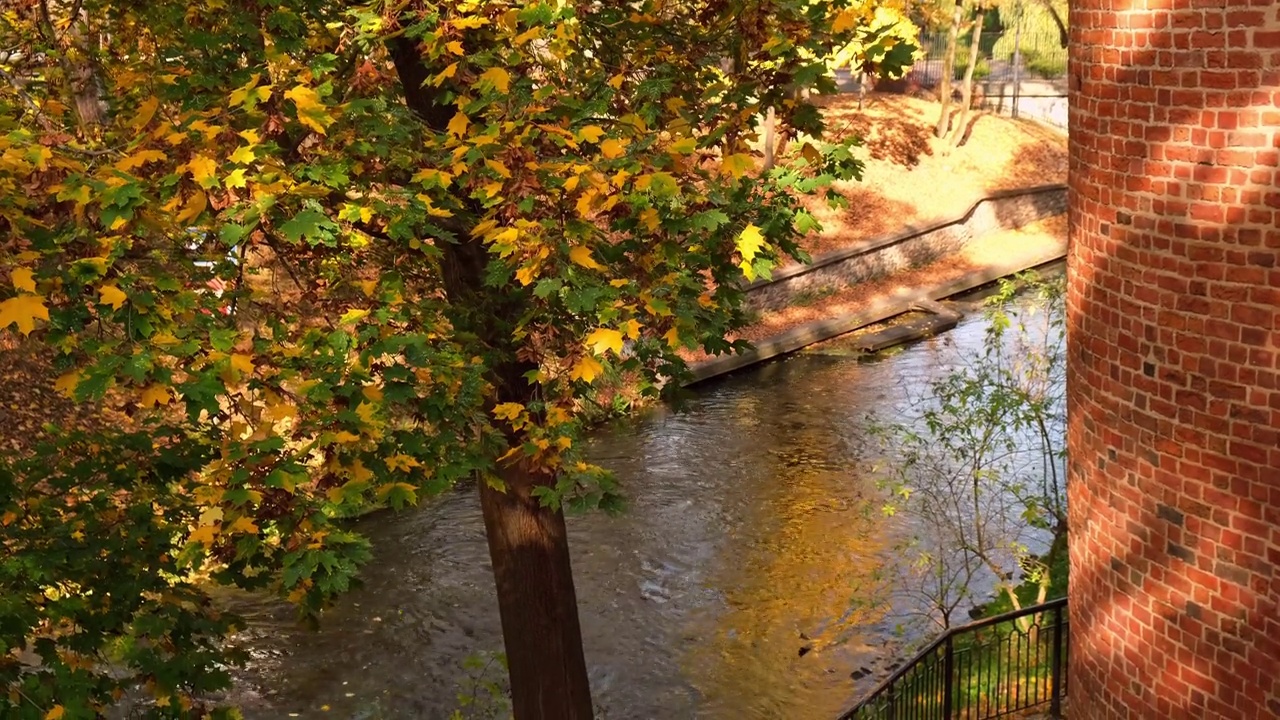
(959, 129)
(948, 70)
(302, 256)
(1034, 37)
(977, 467)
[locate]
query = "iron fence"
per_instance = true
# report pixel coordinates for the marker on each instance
(1002, 665)
(1020, 71)
(1003, 56)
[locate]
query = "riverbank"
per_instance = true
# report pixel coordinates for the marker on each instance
(981, 261)
(911, 178)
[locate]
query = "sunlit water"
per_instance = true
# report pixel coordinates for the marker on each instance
(751, 533)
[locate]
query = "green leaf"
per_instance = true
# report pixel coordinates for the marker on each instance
(310, 225)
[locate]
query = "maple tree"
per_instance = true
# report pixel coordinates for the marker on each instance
(318, 255)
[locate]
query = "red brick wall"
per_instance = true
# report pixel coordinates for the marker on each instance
(1174, 370)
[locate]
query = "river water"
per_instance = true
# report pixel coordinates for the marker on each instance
(745, 580)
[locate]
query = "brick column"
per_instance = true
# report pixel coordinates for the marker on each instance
(1174, 368)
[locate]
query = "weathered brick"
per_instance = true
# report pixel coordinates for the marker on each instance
(1174, 410)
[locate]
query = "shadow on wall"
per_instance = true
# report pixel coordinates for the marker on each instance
(1174, 344)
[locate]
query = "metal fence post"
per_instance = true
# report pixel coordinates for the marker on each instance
(948, 674)
(1055, 700)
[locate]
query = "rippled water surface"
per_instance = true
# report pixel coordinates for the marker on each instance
(751, 533)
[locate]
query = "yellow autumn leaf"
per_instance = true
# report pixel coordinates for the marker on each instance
(358, 472)
(146, 111)
(585, 202)
(684, 146)
(649, 218)
(498, 77)
(203, 170)
(235, 179)
(205, 534)
(458, 125)
(586, 369)
(431, 176)
(750, 242)
(384, 491)
(498, 167)
(311, 110)
(737, 165)
(532, 33)
(210, 132)
(591, 133)
(249, 93)
(242, 363)
(367, 414)
(445, 74)
(632, 329)
(453, 47)
(615, 82)
(80, 196)
(402, 463)
(242, 524)
(342, 437)
(244, 155)
(156, 394)
(611, 148)
(138, 159)
(23, 280)
(508, 411)
(55, 713)
(581, 255)
(603, 339)
(193, 208)
(526, 273)
(846, 20)
(66, 384)
(672, 337)
(112, 295)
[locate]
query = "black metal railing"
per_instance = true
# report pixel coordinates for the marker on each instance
(998, 666)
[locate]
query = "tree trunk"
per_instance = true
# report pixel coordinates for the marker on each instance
(948, 69)
(1063, 35)
(537, 602)
(527, 542)
(958, 132)
(770, 135)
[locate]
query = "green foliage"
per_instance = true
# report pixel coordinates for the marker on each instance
(978, 464)
(1047, 64)
(306, 257)
(484, 695)
(980, 72)
(886, 44)
(1039, 38)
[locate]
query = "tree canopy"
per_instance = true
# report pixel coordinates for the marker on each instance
(304, 256)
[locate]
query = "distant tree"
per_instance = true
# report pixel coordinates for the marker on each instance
(976, 469)
(948, 70)
(959, 129)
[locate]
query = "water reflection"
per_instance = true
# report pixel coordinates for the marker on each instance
(737, 585)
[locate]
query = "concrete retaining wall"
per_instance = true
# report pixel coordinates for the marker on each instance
(912, 247)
